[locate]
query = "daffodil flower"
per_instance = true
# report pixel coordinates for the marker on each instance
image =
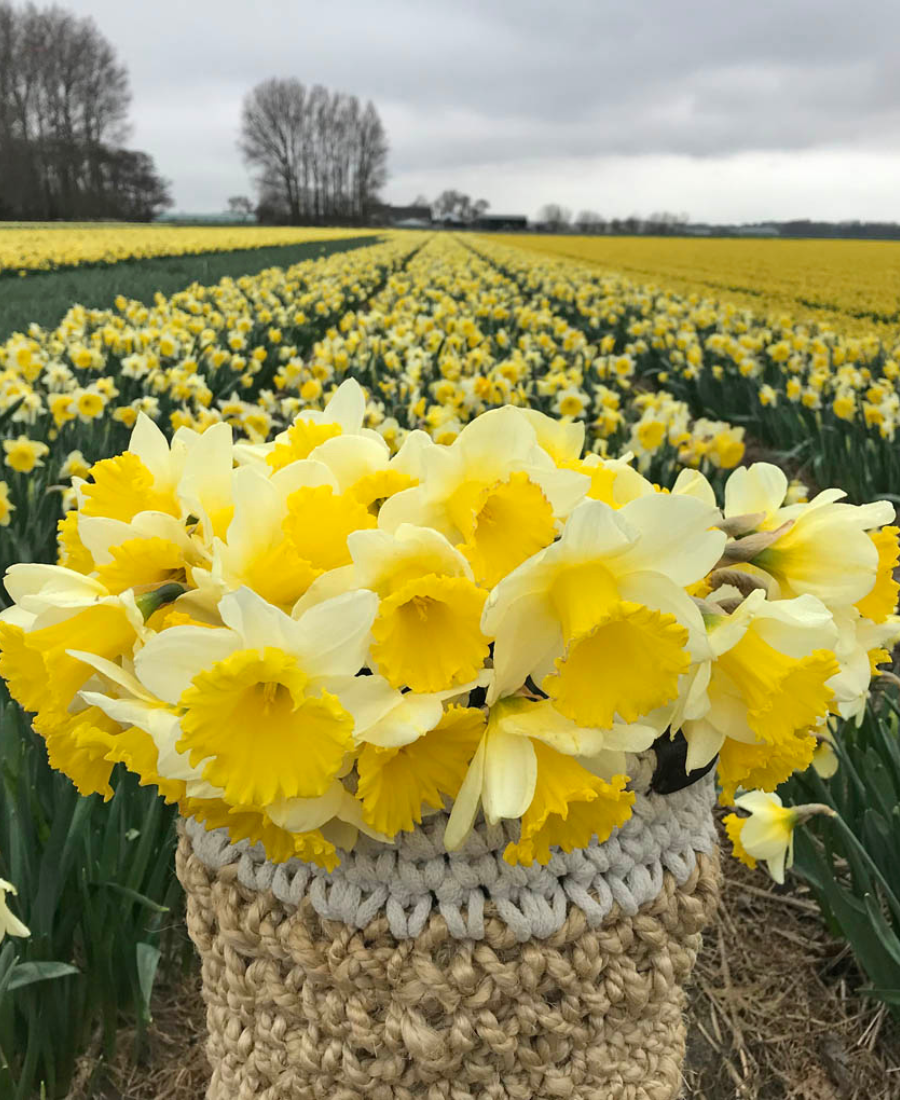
(9, 923)
(600, 619)
(768, 832)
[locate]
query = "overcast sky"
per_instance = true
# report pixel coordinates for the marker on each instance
(724, 109)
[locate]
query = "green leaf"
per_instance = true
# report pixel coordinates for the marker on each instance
(147, 957)
(28, 973)
(132, 895)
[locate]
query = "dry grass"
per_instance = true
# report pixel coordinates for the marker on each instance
(773, 1016)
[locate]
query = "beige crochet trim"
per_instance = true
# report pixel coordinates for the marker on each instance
(414, 877)
(303, 1008)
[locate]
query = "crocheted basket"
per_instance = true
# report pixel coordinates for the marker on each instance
(410, 973)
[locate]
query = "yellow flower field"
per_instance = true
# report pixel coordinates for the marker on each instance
(851, 285)
(25, 248)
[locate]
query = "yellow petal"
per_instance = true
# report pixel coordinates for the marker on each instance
(122, 487)
(264, 736)
(254, 825)
(428, 635)
(782, 694)
(142, 561)
(318, 523)
(570, 806)
(302, 437)
(36, 666)
(136, 749)
(502, 525)
(627, 665)
(373, 489)
(762, 766)
(882, 600)
(396, 785)
(77, 745)
(582, 596)
(73, 554)
(733, 825)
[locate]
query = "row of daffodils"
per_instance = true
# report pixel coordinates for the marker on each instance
(830, 396)
(319, 636)
(28, 248)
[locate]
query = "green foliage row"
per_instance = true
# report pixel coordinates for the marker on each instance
(852, 861)
(97, 890)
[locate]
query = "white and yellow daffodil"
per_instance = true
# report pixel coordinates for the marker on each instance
(528, 765)
(495, 493)
(600, 620)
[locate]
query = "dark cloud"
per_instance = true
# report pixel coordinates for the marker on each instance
(497, 82)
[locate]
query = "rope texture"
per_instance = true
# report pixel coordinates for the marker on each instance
(415, 877)
(303, 1008)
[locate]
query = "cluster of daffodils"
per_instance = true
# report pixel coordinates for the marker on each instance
(205, 354)
(314, 637)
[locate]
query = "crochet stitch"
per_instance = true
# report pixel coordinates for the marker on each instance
(303, 1008)
(408, 881)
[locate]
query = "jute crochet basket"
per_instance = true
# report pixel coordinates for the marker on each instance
(410, 973)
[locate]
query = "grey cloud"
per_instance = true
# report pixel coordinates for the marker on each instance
(492, 81)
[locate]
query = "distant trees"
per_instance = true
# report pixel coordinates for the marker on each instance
(319, 156)
(64, 99)
(455, 204)
(554, 217)
(589, 221)
(240, 207)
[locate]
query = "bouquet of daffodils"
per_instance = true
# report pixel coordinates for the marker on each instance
(311, 638)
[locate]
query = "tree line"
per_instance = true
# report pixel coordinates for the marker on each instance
(318, 156)
(64, 100)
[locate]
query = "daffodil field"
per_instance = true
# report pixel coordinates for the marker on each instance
(476, 469)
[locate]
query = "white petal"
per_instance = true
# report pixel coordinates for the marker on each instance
(325, 587)
(351, 457)
(170, 660)
(694, 484)
(594, 530)
(379, 711)
(527, 635)
(465, 807)
(302, 815)
(346, 407)
(152, 448)
(332, 638)
(115, 673)
(510, 775)
(47, 585)
(758, 488)
(704, 741)
(675, 537)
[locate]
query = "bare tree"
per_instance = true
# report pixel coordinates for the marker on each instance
(64, 99)
(456, 205)
(554, 217)
(589, 221)
(241, 207)
(318, 155)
